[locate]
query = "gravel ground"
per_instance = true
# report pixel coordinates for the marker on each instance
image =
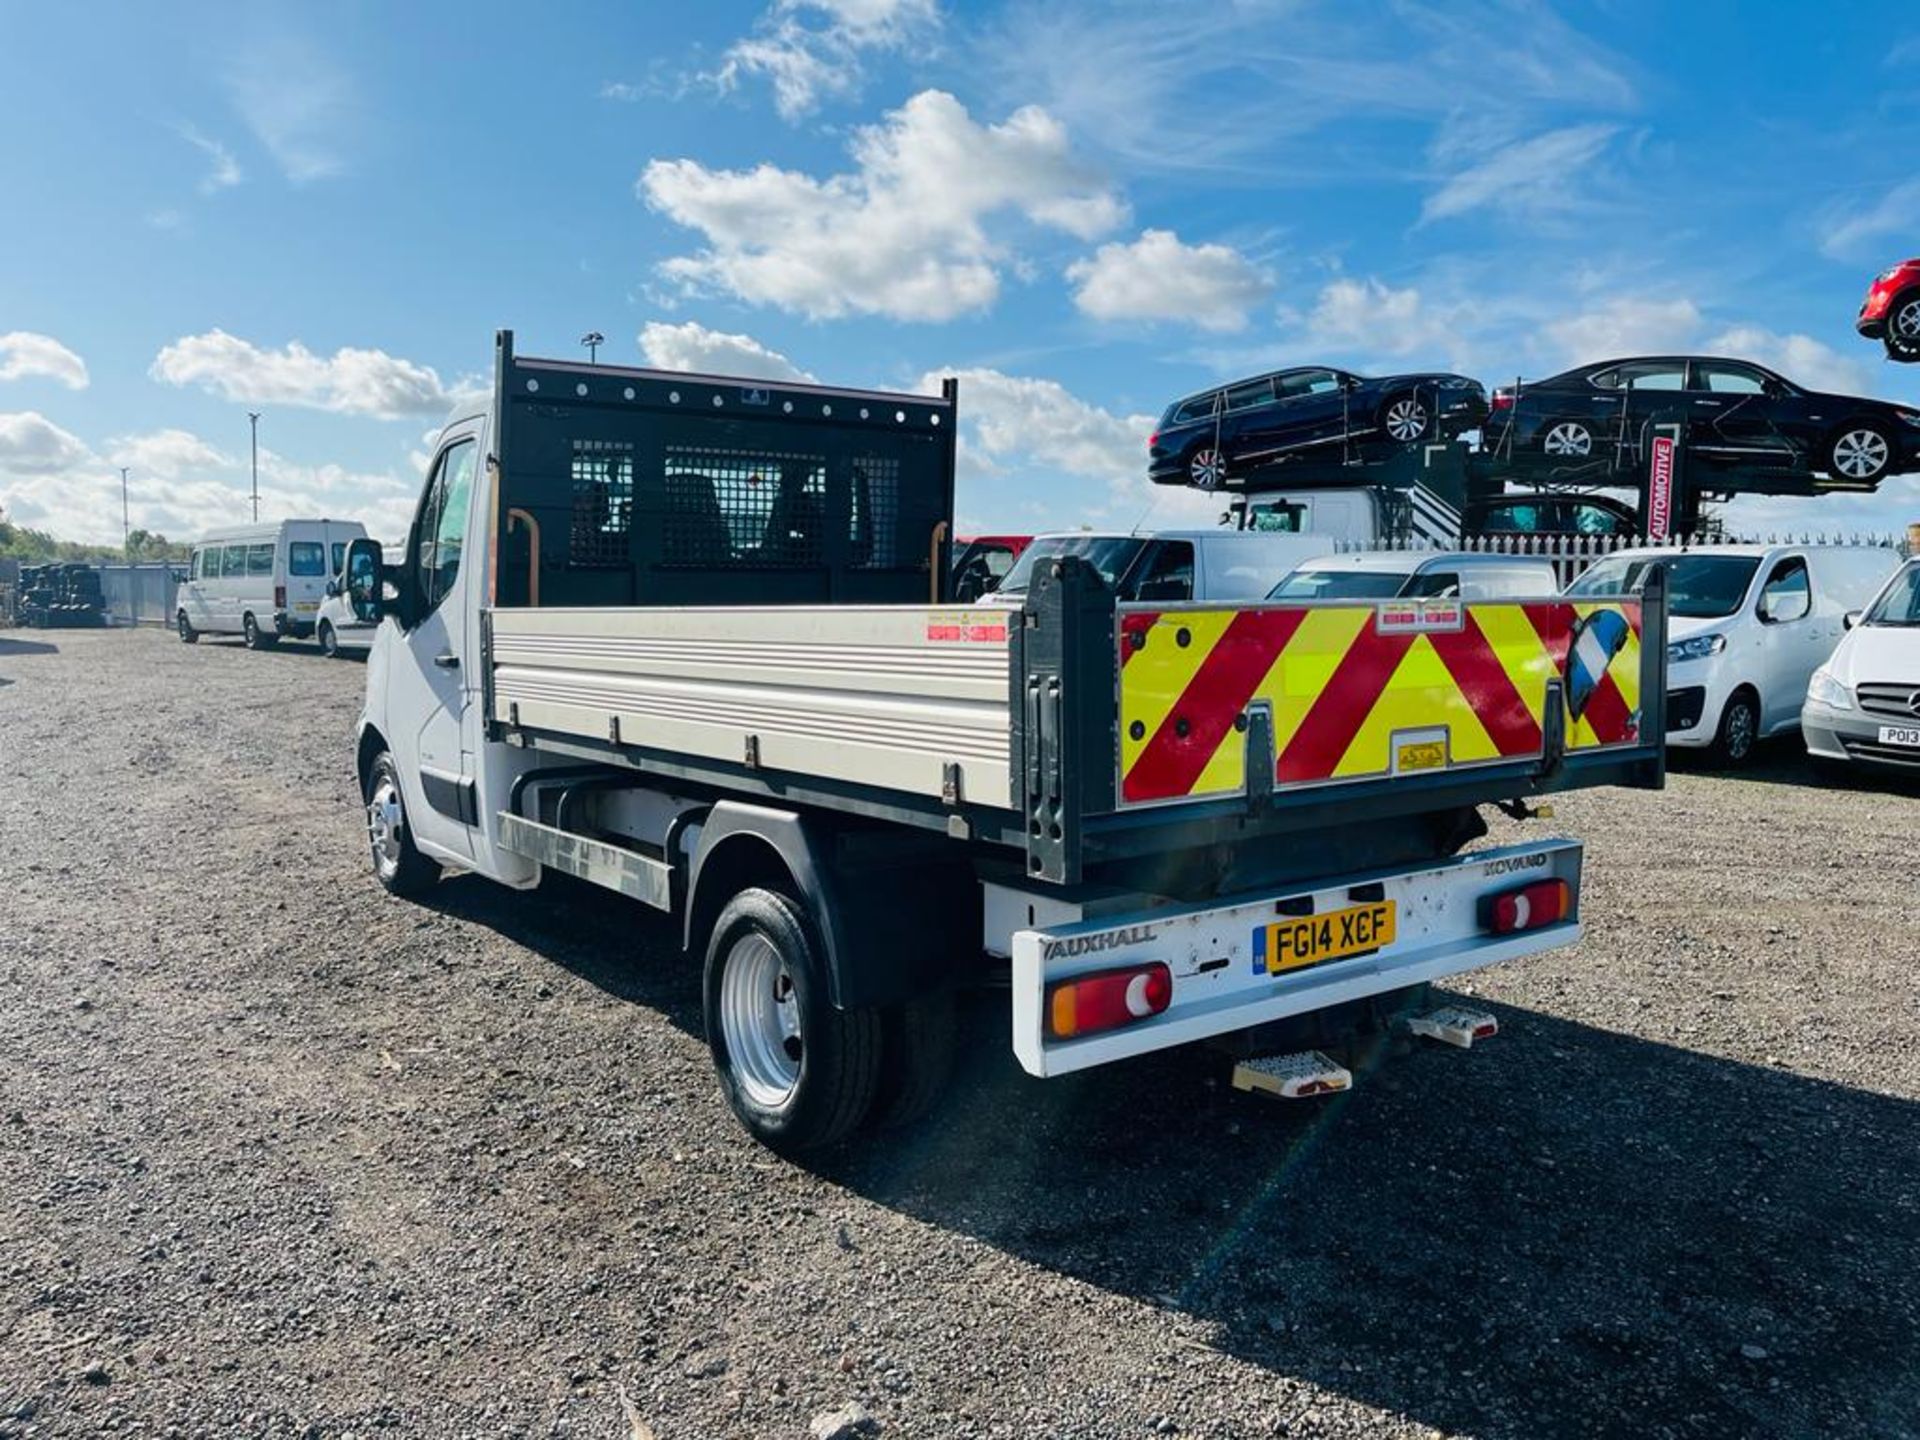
(281, 1156)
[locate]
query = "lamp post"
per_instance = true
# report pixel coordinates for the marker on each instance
(126, 534)
(593, 340)
(253, 419)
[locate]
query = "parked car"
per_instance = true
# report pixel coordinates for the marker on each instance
(981, 562)
(1891, 311)
(1172, 565)
(262, 582)
(1230, 431)
(1864, 703)
(342, 627)
(1404, 574)
(1593, 420)
(1750, 624)
(1551, 514)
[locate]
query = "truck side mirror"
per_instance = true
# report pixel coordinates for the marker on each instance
(366, 582)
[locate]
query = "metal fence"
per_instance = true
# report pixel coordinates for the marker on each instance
(1573, 555)
(139, 594)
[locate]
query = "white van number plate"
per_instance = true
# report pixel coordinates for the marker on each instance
(1908, 735)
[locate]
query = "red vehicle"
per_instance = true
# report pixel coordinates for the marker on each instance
(981, 562)
(1891, 311)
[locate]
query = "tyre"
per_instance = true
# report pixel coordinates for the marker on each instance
(1902, 337)
(1739, 729)
(916, 1058)
(1861, 452)
(188, 635)
(329, 643)
(254, 637)
(397, 862)
(798, 1073)
(1567, 440)
(1206, 469)
(1404, 418)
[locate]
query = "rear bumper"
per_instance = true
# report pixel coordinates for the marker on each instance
(1219, 986)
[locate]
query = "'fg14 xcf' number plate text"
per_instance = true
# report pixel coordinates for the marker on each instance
(1304, 940)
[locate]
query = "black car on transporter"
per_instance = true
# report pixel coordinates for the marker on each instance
(1233, 430)
(1731, 414)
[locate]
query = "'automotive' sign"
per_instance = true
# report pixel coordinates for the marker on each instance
(1660, 489)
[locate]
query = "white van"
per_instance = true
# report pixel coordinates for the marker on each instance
(1864, 703)
(1170, 565)
(341, 627)
(263, 582)
(1434, 574)
(1750, 624)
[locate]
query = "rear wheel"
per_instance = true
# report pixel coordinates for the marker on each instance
(188, 635)
(397, 861)
(1405, 418)
(254, 637)
(1206, 469)
(798, 1073)
(1862, 452)
(1568, 440)
(1739, 729)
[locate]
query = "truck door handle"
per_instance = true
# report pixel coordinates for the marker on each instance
(447, 660)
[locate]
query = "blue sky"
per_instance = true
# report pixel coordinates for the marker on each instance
(324, 212)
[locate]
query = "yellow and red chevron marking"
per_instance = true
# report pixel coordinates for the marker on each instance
(1343, 681)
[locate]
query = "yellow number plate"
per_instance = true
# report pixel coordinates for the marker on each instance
(1314, 939)
(1421, 755)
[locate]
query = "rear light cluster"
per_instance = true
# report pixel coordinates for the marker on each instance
(1108, 999)
(279, 597)
(1531, 907)
(1153, 439)
(1502, 400)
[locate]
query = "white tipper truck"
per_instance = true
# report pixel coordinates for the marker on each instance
(687, 637)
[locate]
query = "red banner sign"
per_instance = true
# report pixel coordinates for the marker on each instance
(1660, 489)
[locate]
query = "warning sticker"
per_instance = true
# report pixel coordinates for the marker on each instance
(975, 627)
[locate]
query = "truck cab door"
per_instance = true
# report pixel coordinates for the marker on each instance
(427, 687)
(1791, 642)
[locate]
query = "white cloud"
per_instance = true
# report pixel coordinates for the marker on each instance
(351, 381)
(1547, 173)
(299, 104)
(31, 444)
(1370, 315)
(811, 51)
(1856, 234)
(23, 353)
(1158, 278)
(1800, 358)
(1011, 420)
(621, 90)
(180, 485)
(692, 346)
(225, 173)
(903, 235)
(1625, 326)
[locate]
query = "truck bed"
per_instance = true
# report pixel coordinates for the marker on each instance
(1079, 730)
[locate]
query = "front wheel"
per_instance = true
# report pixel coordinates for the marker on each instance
(329, 642)
(1862, 453)
(798, 1073)
(397, 862)
(1739, 730)
(188, 635)
(1902, 337)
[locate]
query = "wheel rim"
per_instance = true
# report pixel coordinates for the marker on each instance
(185, 629)
(1860, 454)
(1206, 469)
(1406, 419)
(760, 1021)
(1906, 321)
(1741, 728)
(326, 638)
(386, 825)
(250, 632)
(1568, 438)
